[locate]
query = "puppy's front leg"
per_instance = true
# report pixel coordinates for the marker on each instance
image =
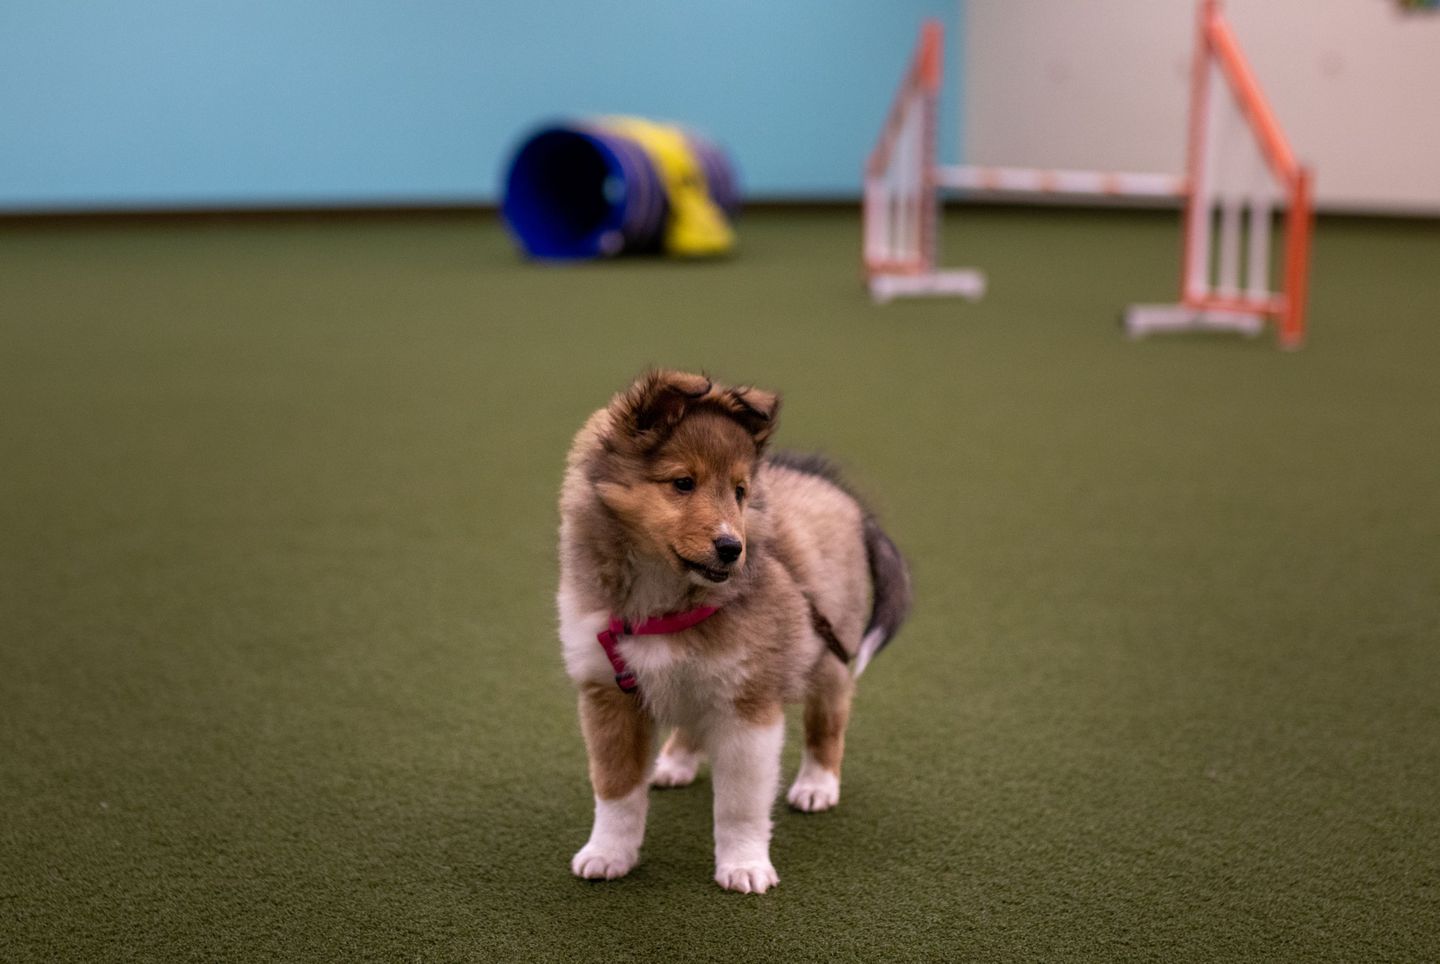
(745, 769)
(619, 737)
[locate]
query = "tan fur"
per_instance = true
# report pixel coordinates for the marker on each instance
(634, 545)
(618, 738)
(827, 712)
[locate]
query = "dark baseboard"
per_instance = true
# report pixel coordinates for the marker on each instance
(193, 215)
(834, 205)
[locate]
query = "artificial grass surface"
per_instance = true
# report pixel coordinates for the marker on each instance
(278, 676)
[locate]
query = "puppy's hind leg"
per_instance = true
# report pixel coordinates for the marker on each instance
(619, 737)
(827, 712)
(679, 760)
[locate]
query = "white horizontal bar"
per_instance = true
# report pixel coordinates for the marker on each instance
(1145, 319)
(962, 282)
(1031, 180)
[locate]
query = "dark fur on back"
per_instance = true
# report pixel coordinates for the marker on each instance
(889, 574)
(811, 463)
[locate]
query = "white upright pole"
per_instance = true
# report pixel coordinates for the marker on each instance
(1257, 280)
(1197, 272)
(1228, 282)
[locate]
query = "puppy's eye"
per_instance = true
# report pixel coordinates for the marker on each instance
(739, 493)
(686, 484)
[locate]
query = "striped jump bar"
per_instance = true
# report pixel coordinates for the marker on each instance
(1031, 180)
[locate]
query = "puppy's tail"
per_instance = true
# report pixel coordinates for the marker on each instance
(890, 577)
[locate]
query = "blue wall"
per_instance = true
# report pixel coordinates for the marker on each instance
(172, 103)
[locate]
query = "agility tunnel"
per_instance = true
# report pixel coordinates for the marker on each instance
(611, 185)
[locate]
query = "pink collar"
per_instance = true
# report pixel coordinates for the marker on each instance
(654, 626)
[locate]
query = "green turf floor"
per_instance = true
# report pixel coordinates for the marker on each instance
(278, 674)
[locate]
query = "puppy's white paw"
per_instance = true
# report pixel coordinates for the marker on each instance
(814, 789)
(749, 878)
(675, 770)
(596, 863)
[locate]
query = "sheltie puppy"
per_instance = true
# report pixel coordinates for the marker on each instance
(704, 585)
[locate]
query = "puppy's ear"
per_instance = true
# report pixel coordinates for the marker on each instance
(754, 408)
(656, 402)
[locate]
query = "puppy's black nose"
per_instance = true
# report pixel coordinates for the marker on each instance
(728, 548)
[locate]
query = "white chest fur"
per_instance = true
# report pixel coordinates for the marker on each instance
(677, 685)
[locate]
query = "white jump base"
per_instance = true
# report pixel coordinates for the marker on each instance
(961, 282)
(1142, 320)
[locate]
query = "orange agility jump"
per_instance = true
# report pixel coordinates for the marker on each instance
(1240, 169)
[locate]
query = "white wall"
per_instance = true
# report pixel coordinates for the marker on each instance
(1104, 84)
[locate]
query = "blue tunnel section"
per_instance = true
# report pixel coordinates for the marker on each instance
(580, 191)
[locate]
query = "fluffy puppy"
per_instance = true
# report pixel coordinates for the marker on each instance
(704, 585)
